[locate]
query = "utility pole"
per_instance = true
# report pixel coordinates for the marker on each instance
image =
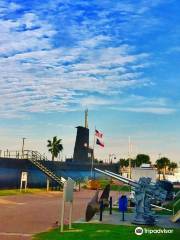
(23, 142)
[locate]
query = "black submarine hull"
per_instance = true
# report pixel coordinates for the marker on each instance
(11, 169)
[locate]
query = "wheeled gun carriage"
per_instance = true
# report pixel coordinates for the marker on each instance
(146, 195)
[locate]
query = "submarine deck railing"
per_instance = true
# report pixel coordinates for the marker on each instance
(21, 154)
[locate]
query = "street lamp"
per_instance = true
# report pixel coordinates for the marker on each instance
(111, 157)
(129, 155)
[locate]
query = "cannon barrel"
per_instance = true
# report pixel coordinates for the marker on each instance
(128, 179)
(153, 191)
(118, 177)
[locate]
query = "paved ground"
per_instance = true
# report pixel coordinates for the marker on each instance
(23, 215)
(116, 218)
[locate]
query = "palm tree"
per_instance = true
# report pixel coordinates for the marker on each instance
(55, 147)
(159, 166)
(162, 164)
(142, 158)
(172, 166)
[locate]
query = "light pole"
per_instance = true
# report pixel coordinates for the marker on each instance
(129, 153)
(112, 157)
(23, 142)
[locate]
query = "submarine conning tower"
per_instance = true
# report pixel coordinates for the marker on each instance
(81, 148)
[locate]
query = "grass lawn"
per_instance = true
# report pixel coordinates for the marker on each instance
(163, 212)
(124, 188)
(8, 192)
(103, 232)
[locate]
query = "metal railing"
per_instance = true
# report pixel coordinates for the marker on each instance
(10, 154)
(22, 155)
(35, 157)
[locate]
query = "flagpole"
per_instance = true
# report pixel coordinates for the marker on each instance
(92, 162)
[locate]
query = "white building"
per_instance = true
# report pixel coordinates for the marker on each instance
(145, 170)
(175, 177)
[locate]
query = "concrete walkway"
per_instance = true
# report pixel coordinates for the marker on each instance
(116, 218)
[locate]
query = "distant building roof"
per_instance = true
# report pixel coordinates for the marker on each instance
(145, 165)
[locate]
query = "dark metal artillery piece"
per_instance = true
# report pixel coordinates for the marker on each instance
(146, 195)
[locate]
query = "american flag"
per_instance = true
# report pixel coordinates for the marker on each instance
(98, 134)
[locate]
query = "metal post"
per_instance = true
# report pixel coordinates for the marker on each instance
(123, 216)
(70, 215)
(101, 211)
(62, 216)
(110, 205)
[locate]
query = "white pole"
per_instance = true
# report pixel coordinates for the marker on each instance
(70, 215)
(62, 216)
(47, 184)
(25, 185)
(129, 153)
(63, 205)
(21, 186)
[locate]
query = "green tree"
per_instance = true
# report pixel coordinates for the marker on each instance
(142, 158)
(159, 165)
(55, 147)
(172, 166)
(162, 165)
(123, 163)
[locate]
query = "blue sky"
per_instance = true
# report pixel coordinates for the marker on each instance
(119, 59)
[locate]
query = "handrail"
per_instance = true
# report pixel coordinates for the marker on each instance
(22, 155)
(34, 154)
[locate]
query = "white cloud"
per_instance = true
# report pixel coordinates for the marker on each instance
(35, 76)
(153, 110)
(38, 76)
